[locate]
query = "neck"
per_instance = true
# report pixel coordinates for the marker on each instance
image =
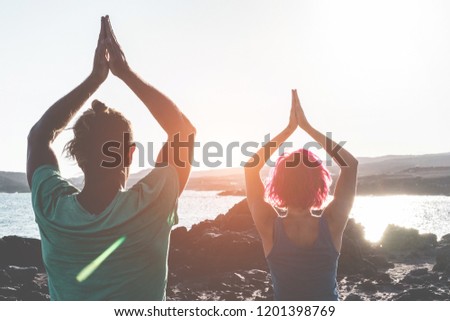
(99, 190)
(104, 182)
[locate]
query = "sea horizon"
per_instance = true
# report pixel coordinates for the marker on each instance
(426, 213)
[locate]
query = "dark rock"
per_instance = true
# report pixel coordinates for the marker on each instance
(420, 278)
(350, 260)
(380, 261)
(21, 274)
(7, 298)
(353, 297)
(383, 278)
(179, 235)
(418, 272)
(35, 296)
(238, 218)
(369, 271)
(443, 279)
(397, 238)
(442, 258)
(354, 245)
(9, 291)
(230, 250)
(228, 243)
(445, 240)
(37, 284)
(20, 251)
(367, 286)
(5, 278)
(417, 294)
(199, 228)
(446, 271)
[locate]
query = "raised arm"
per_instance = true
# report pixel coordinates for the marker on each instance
(56, 118)
(263, 213)
(178, 151)
(344, 194)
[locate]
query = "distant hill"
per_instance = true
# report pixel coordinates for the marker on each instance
(12, 182)
(392, 164)
(394, 174)
(391, 174)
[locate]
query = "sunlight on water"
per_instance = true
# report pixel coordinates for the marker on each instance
(424, 213)
(196, 206)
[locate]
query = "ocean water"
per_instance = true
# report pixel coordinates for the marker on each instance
(428, 214)
(17, 217)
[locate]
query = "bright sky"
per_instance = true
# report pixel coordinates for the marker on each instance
(376, 74)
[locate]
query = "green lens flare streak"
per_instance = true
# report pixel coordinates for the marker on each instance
(91, 267)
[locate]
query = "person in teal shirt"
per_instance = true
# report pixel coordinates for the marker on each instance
(105, 242)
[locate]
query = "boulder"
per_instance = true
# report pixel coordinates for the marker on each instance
(421, 276)
(238, 218)
(19, 251)
(445, 240)
(397, 238)
(354, 245)
(442, 258)
(418, 272)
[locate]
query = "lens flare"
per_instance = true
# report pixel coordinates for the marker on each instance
(87, 271)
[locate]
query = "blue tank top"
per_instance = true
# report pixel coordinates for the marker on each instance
(303, 274)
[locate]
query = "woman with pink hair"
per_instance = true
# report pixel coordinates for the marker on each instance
(302, 247)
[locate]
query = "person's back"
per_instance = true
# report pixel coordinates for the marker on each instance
(303, 273)
(105, 243)
(138, 221)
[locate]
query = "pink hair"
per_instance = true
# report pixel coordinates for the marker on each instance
(299, 179)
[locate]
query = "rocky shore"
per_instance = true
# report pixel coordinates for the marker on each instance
(222, 259)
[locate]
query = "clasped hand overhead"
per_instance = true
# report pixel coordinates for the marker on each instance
(108, 54)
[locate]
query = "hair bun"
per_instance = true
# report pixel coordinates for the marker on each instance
(99, 107)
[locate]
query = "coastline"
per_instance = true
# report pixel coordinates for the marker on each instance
(222, 259)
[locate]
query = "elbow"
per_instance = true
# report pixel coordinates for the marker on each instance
(33, 134)
(191, 130)
(188, 130)
(36, 134)
(352, 165)
(188, 127)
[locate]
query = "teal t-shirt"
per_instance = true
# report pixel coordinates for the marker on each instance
(72, 238)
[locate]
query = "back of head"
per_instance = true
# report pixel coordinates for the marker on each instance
(299, 179)
(96, 127)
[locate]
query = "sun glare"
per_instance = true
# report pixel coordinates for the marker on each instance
(86, 272)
